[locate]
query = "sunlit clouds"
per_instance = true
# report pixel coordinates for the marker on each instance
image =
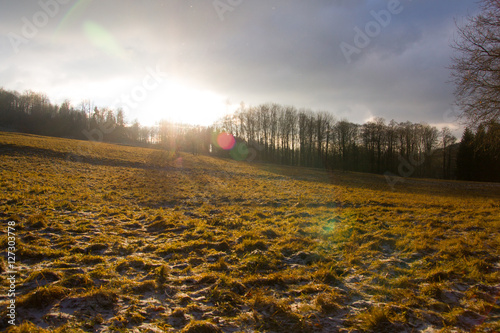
(283, 52)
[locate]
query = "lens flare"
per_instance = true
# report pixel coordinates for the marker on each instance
(73, 14)
(103, 39)
(226, 141)
(178, 162)
(97, 35)
(239, 152)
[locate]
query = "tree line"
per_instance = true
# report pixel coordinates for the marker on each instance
(276, 134)
(286, 135)
(32, 112)
(478, 156)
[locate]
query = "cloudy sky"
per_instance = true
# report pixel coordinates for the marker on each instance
(194, 60)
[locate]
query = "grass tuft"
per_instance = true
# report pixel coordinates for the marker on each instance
(201, 327)
(43, 296)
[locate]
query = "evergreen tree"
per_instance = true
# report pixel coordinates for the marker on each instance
(465, 156)
(492, 152)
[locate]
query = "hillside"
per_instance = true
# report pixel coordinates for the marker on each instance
(118, 238)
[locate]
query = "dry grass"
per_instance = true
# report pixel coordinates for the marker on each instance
(116, 238)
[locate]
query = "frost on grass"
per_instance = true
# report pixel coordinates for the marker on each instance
(128, 239)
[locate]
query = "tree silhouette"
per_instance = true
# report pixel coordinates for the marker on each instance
(476, 68)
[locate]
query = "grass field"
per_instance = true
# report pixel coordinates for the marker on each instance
(122, 239)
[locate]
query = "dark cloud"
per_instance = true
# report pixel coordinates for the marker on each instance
(277, 50)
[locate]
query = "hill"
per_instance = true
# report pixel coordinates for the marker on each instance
(118, 238)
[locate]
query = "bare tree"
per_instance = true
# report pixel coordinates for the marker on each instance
(429, 139)
(305, 136)
(346, 135)
(476, 67)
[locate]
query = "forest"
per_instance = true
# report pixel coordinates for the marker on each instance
(278, 134)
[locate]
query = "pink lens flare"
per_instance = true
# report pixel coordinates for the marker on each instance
(226, 141)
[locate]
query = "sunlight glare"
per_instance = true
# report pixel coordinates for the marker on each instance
(177, 102)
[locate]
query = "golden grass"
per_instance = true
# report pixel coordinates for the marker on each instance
(122, 238)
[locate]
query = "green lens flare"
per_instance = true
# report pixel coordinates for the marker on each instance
(72, 15)
(239, 152)
(102, 39)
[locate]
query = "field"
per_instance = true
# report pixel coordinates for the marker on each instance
(114, 238)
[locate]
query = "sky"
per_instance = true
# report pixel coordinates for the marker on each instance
(196, 60)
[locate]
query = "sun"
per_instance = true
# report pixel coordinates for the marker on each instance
(177, 102)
